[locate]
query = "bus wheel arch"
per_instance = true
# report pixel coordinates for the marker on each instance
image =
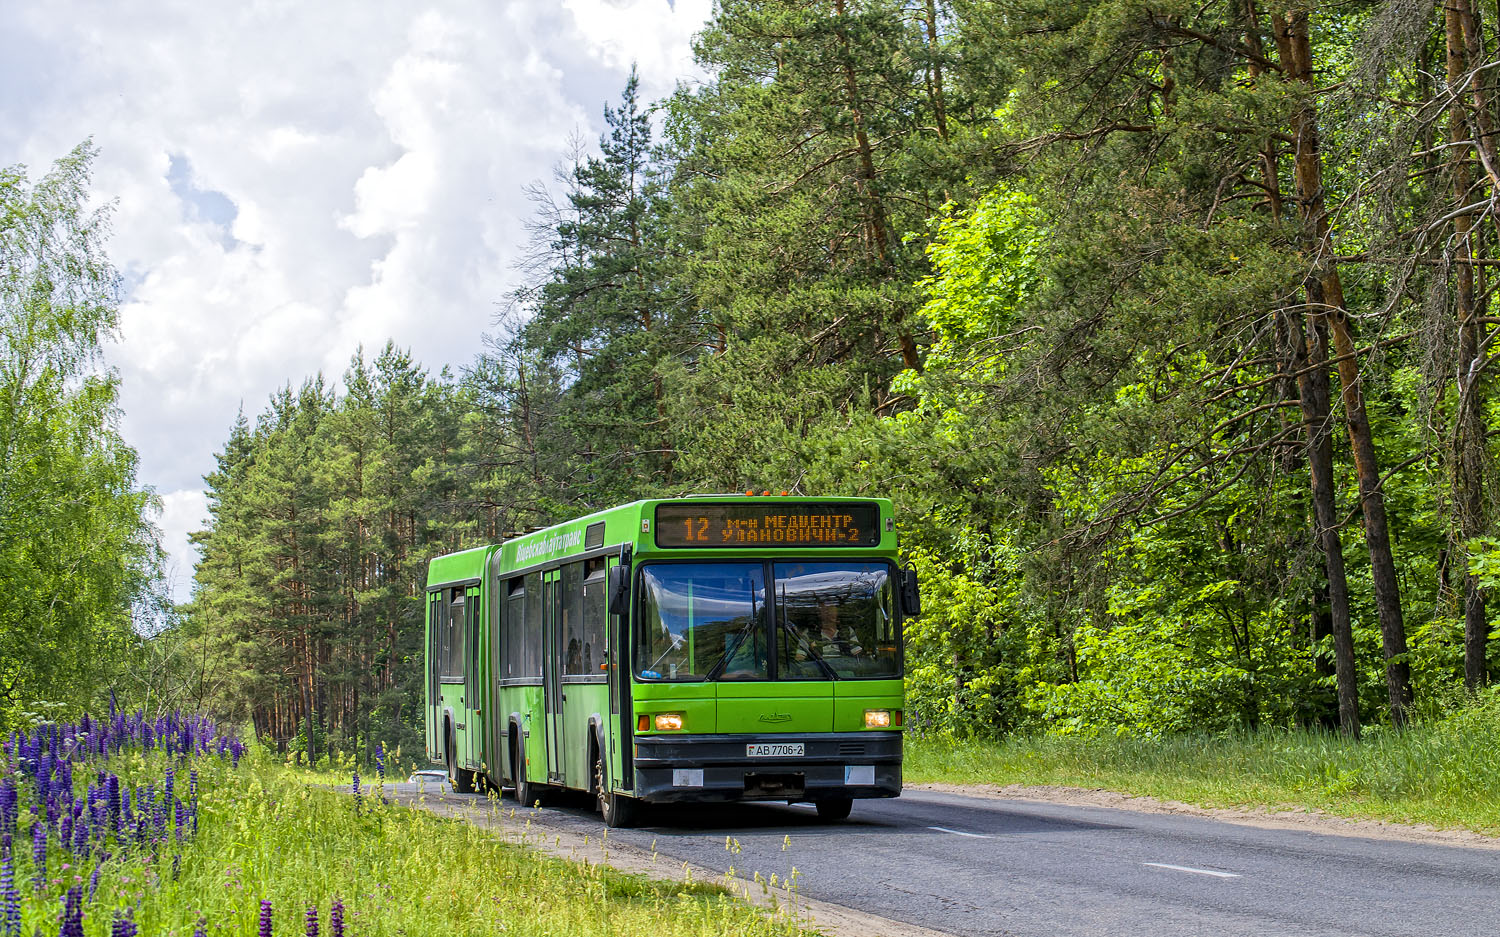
(617, 810)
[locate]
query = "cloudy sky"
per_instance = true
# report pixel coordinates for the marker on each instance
(293, 180)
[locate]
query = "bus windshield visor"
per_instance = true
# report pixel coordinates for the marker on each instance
(708, 621)
(835, 621)
(703, 620)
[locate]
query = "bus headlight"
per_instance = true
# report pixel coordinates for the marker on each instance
(668, 722)
(877, 719)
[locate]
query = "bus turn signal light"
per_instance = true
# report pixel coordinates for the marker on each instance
(643, 724)
(877, 719)
(668, 722)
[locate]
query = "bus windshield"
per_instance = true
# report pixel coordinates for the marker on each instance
(709, 621)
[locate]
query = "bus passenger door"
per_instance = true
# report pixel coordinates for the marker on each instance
(434, 688)
(552, 688)
(473, 679)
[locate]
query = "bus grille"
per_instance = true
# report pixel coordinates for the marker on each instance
(851, 748)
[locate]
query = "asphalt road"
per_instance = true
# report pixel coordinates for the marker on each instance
(981, 866)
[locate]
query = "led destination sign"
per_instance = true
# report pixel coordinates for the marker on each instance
(769, 524)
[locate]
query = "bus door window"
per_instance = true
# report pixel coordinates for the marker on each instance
(592, 652)
(574, 636)
(453, 645)
(531, 630)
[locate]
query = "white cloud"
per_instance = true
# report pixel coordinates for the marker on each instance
(295, 180)
(182, 512)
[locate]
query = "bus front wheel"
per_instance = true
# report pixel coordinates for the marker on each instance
(834, 808)
(618, 810)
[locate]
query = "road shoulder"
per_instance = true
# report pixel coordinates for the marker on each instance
(1274, 818)
(530, 828)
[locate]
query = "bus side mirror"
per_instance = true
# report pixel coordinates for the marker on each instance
(619, 588)
(911, 596)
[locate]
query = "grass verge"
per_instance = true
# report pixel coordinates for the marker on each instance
(265, 834)
(1444, 772)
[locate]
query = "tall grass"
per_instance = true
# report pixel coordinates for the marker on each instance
(1444, 771)
(219, 844)
(264, 835)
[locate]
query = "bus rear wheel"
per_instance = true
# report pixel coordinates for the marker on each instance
(834, 808)
(461, 779)
(618, 810)
(527, 793)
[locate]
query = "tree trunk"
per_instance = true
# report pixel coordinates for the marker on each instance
(1317, 418)
(1466, 456)
(1325, 296)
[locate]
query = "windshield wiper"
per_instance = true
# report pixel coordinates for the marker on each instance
(739, 638)
(802, 642)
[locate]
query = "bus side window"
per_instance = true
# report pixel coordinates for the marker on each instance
(513, 639)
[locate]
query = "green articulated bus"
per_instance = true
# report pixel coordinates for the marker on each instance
(708, 648)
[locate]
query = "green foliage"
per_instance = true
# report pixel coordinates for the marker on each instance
(1029, 269)
(78, 554)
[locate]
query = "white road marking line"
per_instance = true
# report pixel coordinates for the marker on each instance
(1183, 868)
(944, 829)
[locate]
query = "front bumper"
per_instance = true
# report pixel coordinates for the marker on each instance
(833, 764)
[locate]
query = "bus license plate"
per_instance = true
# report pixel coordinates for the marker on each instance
(774, 750)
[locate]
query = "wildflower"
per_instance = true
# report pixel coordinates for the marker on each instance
(39, 849)
(312, 920)
(10, 899)
(356, 790)
(201, 929)
(336, 919)
(72, 918)
(94, 881)
(122, 926)
(265, 918)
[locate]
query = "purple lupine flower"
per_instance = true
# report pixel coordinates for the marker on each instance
(265, 918)
(336, 919)
(39, 851)
(312, 920)
(81, 839)
(9, 799)
(72, 918)
(355, 787)
(122, 926)
(380, 761)
(112, 797)
(94, 879)
(201, 928)
(10, 898)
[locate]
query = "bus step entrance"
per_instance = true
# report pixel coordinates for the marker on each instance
(775, 786)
